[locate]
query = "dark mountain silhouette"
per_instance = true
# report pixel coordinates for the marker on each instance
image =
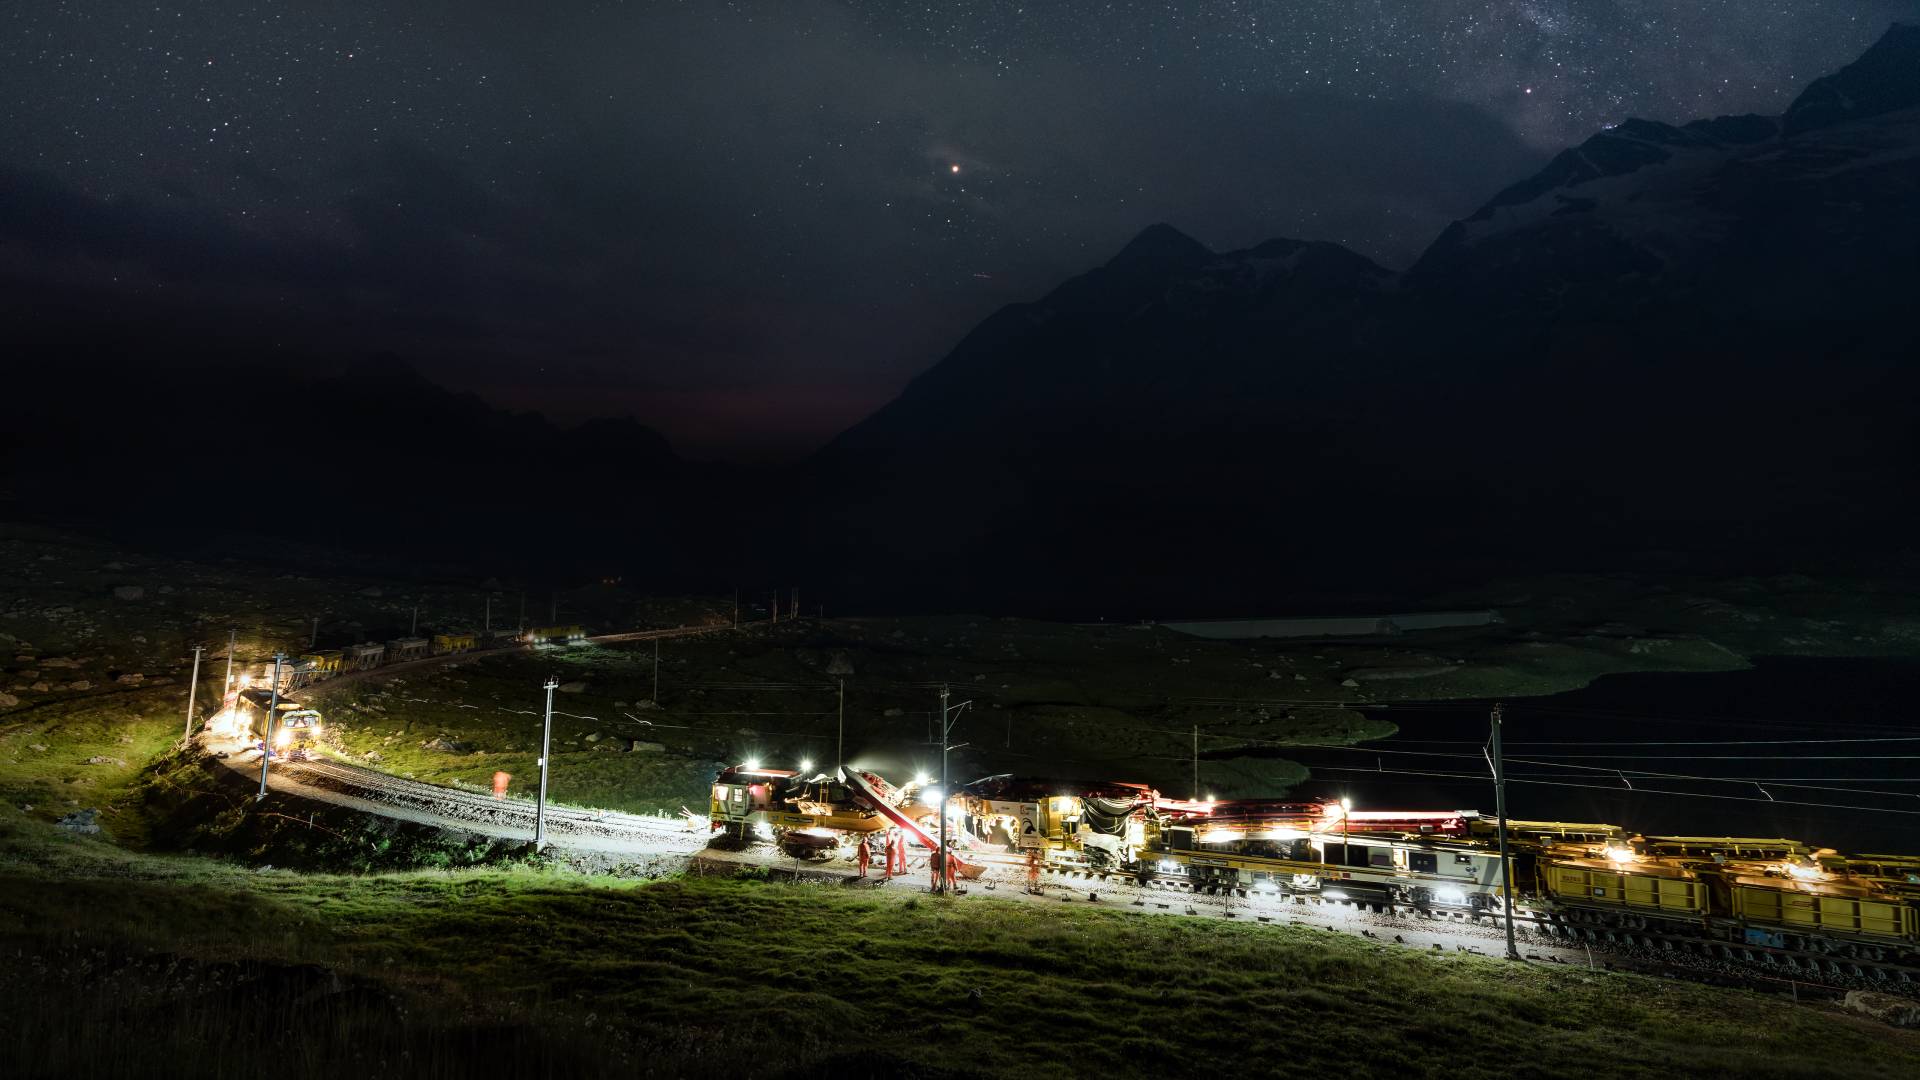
(200, 450)
(1691, 338)
(1694, 339)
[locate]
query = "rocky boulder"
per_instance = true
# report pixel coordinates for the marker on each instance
(128, 592)
(1886, 1008)
(80, 821)
(445, 745)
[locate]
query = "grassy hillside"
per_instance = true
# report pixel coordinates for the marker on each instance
(138, 964)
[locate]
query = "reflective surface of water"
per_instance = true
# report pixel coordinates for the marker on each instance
(1824, 751)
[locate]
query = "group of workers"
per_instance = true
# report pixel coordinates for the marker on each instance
(896, 853)
(895, 849)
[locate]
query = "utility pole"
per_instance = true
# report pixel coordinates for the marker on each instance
(273, 713)
(736, 607)
(1196, 763)
(940, 880)
(793, 603)
(1500, 811)
(233, 642)
(413, 630)
(656, 671)
(776, 605)
(192, 688)
(521, 626)
(554, 616)
(946, 728)
(840, 739)
(489, 615)
(313, 639)
(546, 751)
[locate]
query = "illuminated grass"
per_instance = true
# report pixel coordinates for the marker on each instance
(44, 753)
(498, 970)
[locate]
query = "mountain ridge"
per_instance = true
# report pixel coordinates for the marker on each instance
(1568, 368)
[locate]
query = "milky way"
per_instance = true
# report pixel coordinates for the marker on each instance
(750, 223)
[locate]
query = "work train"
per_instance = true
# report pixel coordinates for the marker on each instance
(294, 727)
(309, 668)
(1760, 893)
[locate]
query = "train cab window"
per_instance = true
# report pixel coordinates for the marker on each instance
(1380, 858)
(1423, 862)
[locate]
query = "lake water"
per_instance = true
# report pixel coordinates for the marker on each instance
(1802, 729)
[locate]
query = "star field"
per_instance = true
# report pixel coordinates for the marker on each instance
(749, 223)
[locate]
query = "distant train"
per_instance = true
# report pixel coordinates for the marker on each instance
(1758, 894)
(308, 668)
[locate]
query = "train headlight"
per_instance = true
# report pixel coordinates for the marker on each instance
(763, 830)
(1450, 894)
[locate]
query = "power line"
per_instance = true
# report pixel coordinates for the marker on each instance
(1675, 742)
(1536, 706)
(1633, 791)
(1736, 757)
(1762, 782)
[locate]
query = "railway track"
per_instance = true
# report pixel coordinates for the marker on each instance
(510, 813)
(468, 807)
(1644, 949)
(1541, 937)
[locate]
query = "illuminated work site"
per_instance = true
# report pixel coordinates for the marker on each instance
(812, 540)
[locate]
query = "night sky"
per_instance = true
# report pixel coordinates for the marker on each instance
(750, 223)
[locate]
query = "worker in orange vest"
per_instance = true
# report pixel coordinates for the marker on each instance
(863, 855)
(896, 853)
(1033, 870)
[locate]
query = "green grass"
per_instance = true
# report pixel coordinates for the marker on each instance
(497, 970)
(1047, 700)
(44, 752)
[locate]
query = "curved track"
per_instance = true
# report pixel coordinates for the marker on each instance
(475, 808)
